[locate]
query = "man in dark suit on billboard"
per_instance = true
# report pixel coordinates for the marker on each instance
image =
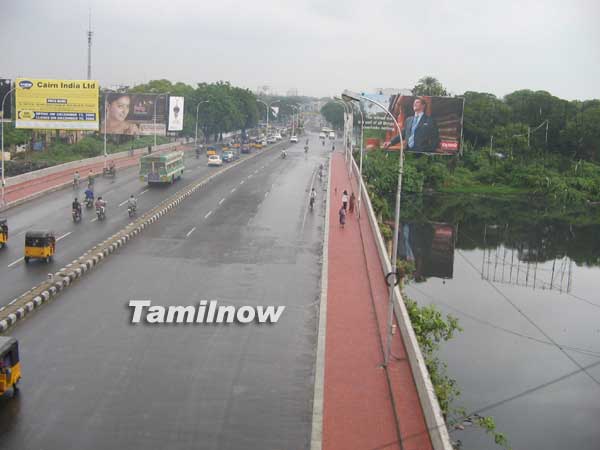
(420, 131)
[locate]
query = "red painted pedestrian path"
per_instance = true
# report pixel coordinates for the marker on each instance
(365, 406)
(45, 183)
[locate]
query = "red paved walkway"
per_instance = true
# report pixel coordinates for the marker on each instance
(364, 407)
(31, 187)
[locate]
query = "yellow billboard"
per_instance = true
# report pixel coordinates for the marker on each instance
(56, 104)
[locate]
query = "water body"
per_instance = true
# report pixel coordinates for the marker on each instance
(523, 278)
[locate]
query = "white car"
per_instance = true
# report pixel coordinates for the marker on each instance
(215, 160)
(271, 139)
(294, 139)
(332, 135)
(278, 137)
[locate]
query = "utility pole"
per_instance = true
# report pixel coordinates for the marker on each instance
(89, 36)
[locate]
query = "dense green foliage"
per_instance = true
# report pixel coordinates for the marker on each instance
(334, 114)
(227, 107)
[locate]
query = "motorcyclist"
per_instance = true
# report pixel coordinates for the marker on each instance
(76, 206)
(100, 204)
(111, 166)
(313, 196)
(132, 202)
(89, 195)
(197, 152)
(283, 153)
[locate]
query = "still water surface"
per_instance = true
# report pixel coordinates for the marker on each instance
(523, 278)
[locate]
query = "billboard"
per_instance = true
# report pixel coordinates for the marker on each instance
(6, 112)
(176, 113)
(56, 104)
(431, 125)
(430, 246)
(135, 114)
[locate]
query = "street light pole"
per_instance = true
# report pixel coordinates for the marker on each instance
(346, 131)
(2, 138)
(362, 126)
(198, 109)
(353, 96)
(268, 111)
(294, 119)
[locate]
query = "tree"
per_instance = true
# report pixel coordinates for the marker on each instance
(334, 114)
(482, 113)
(582, 134)
(429, 86)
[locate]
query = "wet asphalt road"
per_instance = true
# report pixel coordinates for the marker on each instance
(53, 211)
(93, 380)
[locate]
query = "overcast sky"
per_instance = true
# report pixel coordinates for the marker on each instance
(316, 47)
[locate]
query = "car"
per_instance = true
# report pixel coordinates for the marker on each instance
(278, 137)
(215, 160)
(294, 139)
(271, 139)
(228, 156)
(322, 135)
(332, 135)
(264, 143)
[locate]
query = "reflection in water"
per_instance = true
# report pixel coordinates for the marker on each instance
(430, 246)
(523, 266)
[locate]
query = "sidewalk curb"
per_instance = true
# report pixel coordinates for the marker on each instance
(42, 293)
(316, 439)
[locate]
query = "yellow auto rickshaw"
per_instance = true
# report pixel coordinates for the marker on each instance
(10, 368)
(3, 232)
(211, 151)
(39, 245)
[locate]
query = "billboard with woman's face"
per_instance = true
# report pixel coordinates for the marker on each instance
(430, 125)
(135, 114)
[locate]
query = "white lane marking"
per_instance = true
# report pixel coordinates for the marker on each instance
(233, 190)
(15, 262)
(123, 202)
(190, 232)
(221, 201)
(143, 192)
(242, 182)
(250, 176)
(12, 301)
(208, 214)
(94, 219)
(63, 236)
(2, 308)
(266, 193)
(256, 171)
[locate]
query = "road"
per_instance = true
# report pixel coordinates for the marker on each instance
(53, 211)
(93, 380)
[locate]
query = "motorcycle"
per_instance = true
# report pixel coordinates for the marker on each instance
(312, 203)
(131, 209)
(89, 202)
(76, 213)
(283, 154)
(100, 213)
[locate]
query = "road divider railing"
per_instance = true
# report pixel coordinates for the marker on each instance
(57, 282)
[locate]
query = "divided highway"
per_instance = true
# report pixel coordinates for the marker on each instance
(93, 380)
(53, 212)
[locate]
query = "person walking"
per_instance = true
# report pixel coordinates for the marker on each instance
(352, 201)
(342, 213)
(345, 200)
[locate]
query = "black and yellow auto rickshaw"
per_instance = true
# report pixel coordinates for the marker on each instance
(3, 232)
(39, 245)
(10, 368)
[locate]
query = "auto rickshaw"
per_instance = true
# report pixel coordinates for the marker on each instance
(211, 151)
(39, 245)
(3, 232)
(10, 368)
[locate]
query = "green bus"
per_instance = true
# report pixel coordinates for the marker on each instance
(161, 168)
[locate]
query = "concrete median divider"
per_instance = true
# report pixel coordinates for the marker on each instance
(57, 282)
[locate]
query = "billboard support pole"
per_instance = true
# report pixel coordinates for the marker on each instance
(105, 120)
(2, 144)
(393, 280)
